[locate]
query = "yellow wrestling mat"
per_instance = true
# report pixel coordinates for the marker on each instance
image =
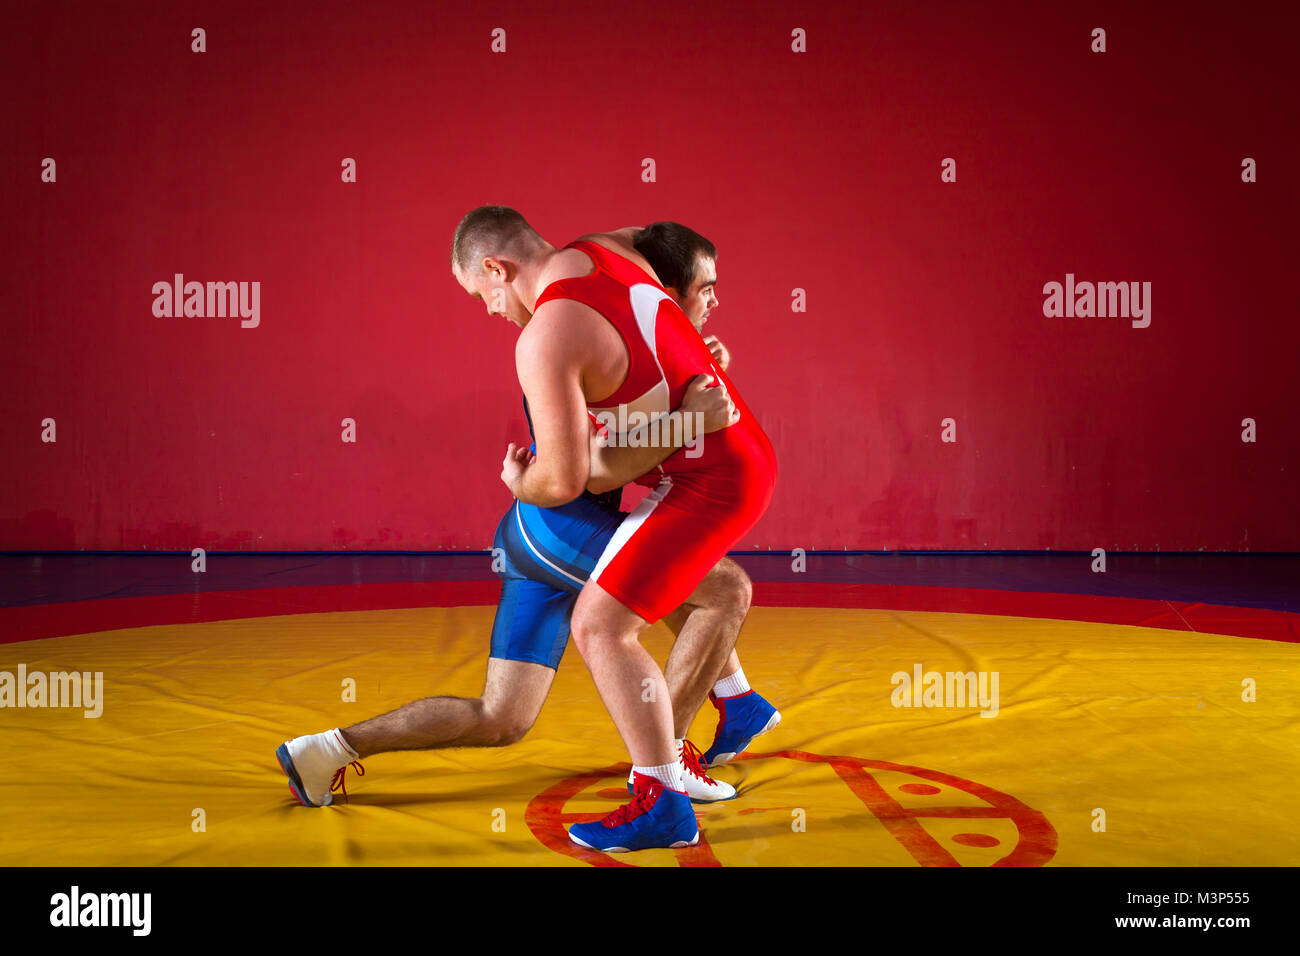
(1111, 745)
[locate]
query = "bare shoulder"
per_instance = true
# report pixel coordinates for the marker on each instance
(563, 325)
(574, 341)
(623, 236)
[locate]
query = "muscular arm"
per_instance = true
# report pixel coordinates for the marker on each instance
(705, 408)
(549, 360)
(613, 466)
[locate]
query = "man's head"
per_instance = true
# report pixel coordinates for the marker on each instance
(487, 250)
(686, 264)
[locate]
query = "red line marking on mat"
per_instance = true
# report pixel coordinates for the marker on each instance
(546, 818)
(1036, 843)
(34, 622)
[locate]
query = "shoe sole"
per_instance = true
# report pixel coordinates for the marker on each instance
(733, 796)
(721, 759)
(295, 782)
(622, 849)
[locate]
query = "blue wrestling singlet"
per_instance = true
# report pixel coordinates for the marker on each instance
(548, 554)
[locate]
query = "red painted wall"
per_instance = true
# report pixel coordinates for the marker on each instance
(818, 171)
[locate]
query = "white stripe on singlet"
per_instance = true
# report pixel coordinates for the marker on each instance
(630, 525)
(541, 557)
(653, 402)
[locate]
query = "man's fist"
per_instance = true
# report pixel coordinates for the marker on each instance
(514, 464)
(711, 401)
(720, 353)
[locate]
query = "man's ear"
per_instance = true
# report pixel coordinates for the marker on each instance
(508, 268)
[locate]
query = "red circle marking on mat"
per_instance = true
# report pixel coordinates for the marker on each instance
(923, 789)
(1036, 843)
(976, 839)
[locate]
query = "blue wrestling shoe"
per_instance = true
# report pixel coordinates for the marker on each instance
(740, 720)
(656, 817)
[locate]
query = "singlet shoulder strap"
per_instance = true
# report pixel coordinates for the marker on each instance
(563, 288)
(586, 244)
(601, 255)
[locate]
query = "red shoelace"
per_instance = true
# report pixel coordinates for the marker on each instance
(337, 783)
(694, 762)
(645, 791)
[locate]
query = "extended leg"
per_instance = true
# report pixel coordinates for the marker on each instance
(512, 698)
(513, 695)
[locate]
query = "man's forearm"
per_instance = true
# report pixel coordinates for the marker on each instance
(538, 487)
(613, 466)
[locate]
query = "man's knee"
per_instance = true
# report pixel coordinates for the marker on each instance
(731, 586)
(512, 699)
(503, 727)
(598, 620)
(744, 589)
(509, 730)
(581, 631)
(598, 639)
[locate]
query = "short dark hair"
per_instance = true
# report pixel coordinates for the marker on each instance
(490, 231)
(672, 250)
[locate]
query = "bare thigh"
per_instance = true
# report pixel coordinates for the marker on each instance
(726, 586)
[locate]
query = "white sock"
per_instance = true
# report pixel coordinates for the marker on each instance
(732, 686)
(669, 774)
(678, 742)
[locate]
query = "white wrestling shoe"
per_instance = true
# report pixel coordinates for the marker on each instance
(316, 765)
(699, 786)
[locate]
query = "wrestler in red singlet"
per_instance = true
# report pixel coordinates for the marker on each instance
(701, 506)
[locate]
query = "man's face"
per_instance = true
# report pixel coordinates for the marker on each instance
(494, 287)
(701, 298)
